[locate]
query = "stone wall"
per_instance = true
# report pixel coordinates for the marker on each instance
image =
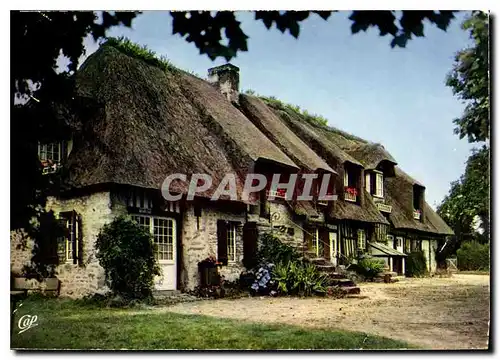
(76, 280)
(199, 240)
(287, 229)
(199, 237)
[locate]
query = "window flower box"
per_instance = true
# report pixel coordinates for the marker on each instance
(49, 166)
(278, 193)
(350, 194)
(417, 214)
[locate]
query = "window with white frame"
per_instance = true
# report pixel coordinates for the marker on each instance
(361, 239)
(162, 230)
(68, 247)
(399, 241)
(379, 184)
(51, 152)
(231, 242)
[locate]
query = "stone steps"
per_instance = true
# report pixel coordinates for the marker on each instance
(342, 282)
(352, 290)
(348, 290)
(336, 277)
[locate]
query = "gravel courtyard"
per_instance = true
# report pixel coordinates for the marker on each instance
(432, 313)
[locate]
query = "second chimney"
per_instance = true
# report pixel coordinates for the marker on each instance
(227, 79)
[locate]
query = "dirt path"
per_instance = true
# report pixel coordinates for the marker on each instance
(433, 313)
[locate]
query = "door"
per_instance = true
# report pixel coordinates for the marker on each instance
(163, 230)
(426, 250)
(250, 237)
(317, 243)
(399, 243)
(333, 248)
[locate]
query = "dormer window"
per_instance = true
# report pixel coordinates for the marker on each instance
(279, 191)
(50, 152)
(50, 155)
(418, 200)
(374, 182)
(350, 185)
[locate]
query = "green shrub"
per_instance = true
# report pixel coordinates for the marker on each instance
(126, 252)
(299, 278)
(415, 264)
(304, 114)
(473, 256)
(274, 251)
(370, 267)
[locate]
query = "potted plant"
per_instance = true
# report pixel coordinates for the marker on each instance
(209, 272)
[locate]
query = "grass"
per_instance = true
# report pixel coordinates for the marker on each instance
(304, 114)
(66, 324)
(139, 52)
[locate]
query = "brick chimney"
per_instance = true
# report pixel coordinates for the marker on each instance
(227, 79)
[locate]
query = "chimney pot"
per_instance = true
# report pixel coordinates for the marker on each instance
(227, 79)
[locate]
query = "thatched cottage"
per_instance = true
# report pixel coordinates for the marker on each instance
(142, 123)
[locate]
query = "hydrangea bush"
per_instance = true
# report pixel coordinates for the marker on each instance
(281, 270)
(264, 283)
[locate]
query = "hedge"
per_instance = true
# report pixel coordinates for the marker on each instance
(473, 256)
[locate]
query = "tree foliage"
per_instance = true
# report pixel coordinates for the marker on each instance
(37, 40)
(469, 199)
(126, 252)
(205, 28)
(469, 80)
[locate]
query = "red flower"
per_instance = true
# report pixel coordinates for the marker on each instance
(351, 190)
(281, 192)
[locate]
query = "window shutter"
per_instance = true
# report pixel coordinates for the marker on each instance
(79, 239)
(61, 240)
(346, 178)
(373, 184)
(222, 241)
(64, 151)
(74, 238)
(367, 183)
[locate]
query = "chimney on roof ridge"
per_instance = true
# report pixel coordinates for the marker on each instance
(227, 79)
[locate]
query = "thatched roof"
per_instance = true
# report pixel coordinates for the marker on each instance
(151, 123)
(345, 210)
(276, 130)
(142, 123)
(371, 155)
(440, 226)
(317, 138)
(234, 124)
(338, 147)
(399, 194)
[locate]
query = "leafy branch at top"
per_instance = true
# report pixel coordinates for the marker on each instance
(205, 29)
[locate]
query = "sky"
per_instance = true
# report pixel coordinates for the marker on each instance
(396, 97)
